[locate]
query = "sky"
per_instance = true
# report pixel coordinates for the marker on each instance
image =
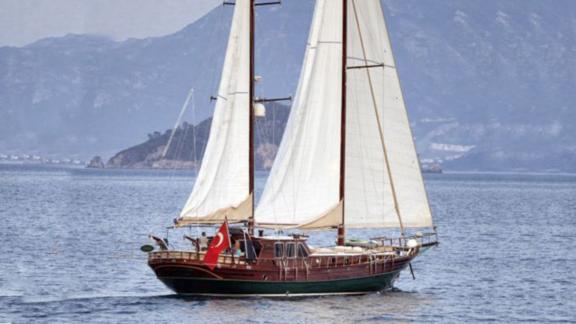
(25, 21)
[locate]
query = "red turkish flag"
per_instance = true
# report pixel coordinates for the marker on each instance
(220, 242)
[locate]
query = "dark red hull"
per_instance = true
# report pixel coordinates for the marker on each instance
(185, 273)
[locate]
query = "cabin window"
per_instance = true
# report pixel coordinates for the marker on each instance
(302, 253)
(278, 250)
(290, 250)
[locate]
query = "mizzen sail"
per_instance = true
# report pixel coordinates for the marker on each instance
(222, 187)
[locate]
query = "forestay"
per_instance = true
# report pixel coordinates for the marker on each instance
(383, 183)
(222, 186)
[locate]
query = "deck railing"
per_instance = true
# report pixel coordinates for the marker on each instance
(193, 256)
(423, 239)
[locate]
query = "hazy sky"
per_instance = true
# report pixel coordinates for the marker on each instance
(25, 21)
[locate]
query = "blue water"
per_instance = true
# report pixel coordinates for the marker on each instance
(70, 241)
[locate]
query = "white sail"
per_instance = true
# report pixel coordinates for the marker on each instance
(374, 94)
(303, 182)
(222, 186)
(302, 189)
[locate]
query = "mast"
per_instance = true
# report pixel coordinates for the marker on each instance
(341, 228)
(251, 122)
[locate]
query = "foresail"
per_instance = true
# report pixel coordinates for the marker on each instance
(378, 190)
(383, 183)
(303, 182)
(222, 186)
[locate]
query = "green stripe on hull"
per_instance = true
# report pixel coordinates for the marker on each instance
(219, 287)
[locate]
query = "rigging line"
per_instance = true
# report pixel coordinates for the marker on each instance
(375, 106)
(178, 121)
(194, 125)
(327, 42)
(184, 142)
(363, 59)
(195, 165)
(274, 128)
(368, 66)
(259, 129)
(176, 130)
(212, 98)
(181, 142)
(216, 35)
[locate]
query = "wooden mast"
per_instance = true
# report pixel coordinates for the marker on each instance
(251, 121)
(341, 228)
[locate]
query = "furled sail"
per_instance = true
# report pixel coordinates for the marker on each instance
(222, 186)
(383, 183)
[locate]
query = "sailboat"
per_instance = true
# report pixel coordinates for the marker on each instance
(347, 161)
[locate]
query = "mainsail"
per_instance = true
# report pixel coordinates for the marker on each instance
(222, 187)
(303, 182)
(383, 183)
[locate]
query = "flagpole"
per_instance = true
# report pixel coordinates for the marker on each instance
(229, 242)
(227, 231)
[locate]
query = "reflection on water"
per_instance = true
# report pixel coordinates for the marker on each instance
(71, 240)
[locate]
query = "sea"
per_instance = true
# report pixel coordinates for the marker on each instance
(70, 253)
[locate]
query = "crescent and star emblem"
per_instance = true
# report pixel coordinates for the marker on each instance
(220, 239)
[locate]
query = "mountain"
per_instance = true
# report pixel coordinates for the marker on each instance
(488, 83)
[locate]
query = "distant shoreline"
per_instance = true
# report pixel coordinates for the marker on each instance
(191, 170)
(534, 173)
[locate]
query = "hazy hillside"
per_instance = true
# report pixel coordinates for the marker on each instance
(489, 83)
(496, 78)
(187, 146)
